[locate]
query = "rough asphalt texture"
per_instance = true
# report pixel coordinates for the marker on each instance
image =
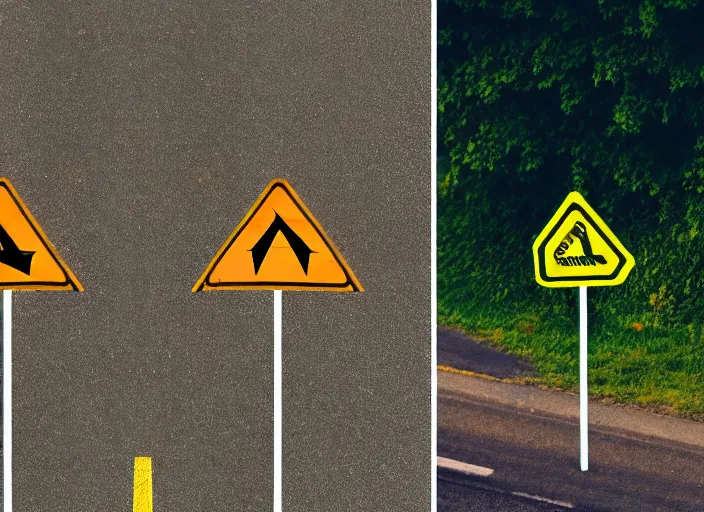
(466, 494)
(538, 454)
(139, 134)
(458, 351)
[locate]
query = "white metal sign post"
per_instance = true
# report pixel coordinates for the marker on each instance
(278, 407)
(7, 399)
(583, 381)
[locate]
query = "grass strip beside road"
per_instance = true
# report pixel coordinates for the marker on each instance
(656, 369)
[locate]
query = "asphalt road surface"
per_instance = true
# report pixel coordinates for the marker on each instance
(463, 353)
(139, 134)
(538, 456)
(470, 495)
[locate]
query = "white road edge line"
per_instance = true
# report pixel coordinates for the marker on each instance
(461, 467)
(545, 500)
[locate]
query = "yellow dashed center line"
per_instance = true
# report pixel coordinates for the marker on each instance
(142, 485)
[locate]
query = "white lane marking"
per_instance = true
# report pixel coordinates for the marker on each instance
(467, 469)
(546, 500)
(471, 469)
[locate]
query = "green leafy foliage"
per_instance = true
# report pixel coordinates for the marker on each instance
(539, 98)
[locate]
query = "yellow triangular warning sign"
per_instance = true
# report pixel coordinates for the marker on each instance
(28, 261)
(577, 248)
(278, 246)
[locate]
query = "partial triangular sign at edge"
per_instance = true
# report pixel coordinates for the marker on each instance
(577, 248)
(28, 260)
(278, 245)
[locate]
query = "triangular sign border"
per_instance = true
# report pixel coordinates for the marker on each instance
(203, 283)
(71, 280)
(575, 201)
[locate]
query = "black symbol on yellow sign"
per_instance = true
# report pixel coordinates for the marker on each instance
(587, 258)
(12, 256)
(28, 261)
(261, 248)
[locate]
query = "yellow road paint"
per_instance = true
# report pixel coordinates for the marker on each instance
(469, 373)
(142, 485)
(507, 380)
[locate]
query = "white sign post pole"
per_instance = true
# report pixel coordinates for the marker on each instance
(7, 400)
(583, 387)
(278, 412)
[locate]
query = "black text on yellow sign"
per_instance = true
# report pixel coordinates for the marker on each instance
(577, 248)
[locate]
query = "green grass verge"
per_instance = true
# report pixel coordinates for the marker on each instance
(653, 367)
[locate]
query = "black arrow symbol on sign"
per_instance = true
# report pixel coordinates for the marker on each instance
(580, 231)
(12, 256)
(261, 248)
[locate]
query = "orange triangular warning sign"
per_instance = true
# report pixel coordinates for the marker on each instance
(278, 246)
(28, 261)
